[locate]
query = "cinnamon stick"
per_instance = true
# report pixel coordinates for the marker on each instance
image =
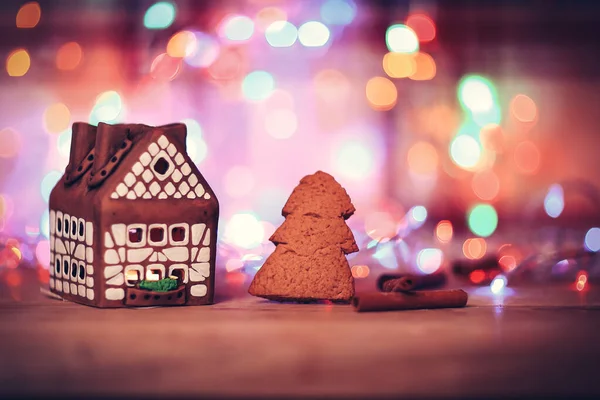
(377, 301)
(405, 283)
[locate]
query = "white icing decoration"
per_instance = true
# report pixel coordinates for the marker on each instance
(90, 269)
(147, 176)
(154, 257)
(171, 150)
(52, 222)
(170, 188)
(111, 271)
(138, 255)
(73, 289)
(81, 290)
(147, 195)
(207, 196)
(129, 179)
(184, 188)
(89, 255)
(199, 190)
(122, 254)
(194, 252)
(162, 196)
(177, 254)
(199, 272)
(119, 232)
(192, 180)
(206, 241)
(198, 290)
(177, 175)
(60, 247)
(137, 168)
(153, 149)
(163, 141)
(179, 159)
(121, 189)
(131, 195)
(51, 283)
(114, 294)
(111, 256)
(191, 195)
(177, 195)
(185, 169)
(114, 195)
(89, 233)
(116, 280)
(90, 294)
(197, 231)
(162, 257)
(89, 281)
(108, 240)
(139, 188)
(80, 252)
(154, 188)
(145, 159)
(204, 254)
(52, 240)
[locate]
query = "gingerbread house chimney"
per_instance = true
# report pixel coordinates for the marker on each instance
(109, 139)
(83, 139)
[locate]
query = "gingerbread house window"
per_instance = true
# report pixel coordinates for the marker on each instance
(156, 234)
(161, 166)
(132, 276)
(154, 274)
(59, 225)
(81, 231)
(57, 263)
(74, 227)
(66, 267)
(81, 271)
(179, 234)
(66, 225)
(136, 235)
(74, 269)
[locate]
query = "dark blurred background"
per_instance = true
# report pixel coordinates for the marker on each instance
(462, 130)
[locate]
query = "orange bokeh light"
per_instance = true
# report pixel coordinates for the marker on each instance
(29, 15)
(527, 157)
(227, 66)
(423, 26)
(68, 56)
(182, 44)
(267, 16)
(165, 67)
(507, 263)
(56, 118)
(492, 138)
(18, 62)
(360, 271)
(381, 93)
(444, 231)
(331, 85)
(422, 158)
(426, 68)
(485, 184)
(10, 143)
(399, 65)
(474, 248)
(523, 108)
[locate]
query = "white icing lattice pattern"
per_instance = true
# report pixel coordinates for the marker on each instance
(154, 251)
(71, 255)
(161, 172)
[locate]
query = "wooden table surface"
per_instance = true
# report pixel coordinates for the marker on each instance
(541, 341)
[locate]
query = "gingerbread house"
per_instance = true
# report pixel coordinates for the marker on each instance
(132, 208)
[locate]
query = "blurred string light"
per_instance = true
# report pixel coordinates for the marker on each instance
(68, 56)
(338, 12)
(416, 216)
(258, 85)
(239, 181)
(182, 44)
(165, 67)
(399, 65)
(244, 230)
(381, 93)
(354, 159)
(422, 159)
(554, 202)
(429, 260)
(268, 15)
(108, 108)
(281, 34)
(386, 254)
(474, 248)
(498, 284)
(195, 144)
(482, 219)
(236, 28)
(444, 231)
(18, 62)
(592, 239)
(332, 86)
(281, 123)
(476, 94)
(360, 271)
(228, 65)
(523, 108)
(42, 253)
(485, 185)
(423, 26)
(204, 52)
(581, 281)
(527, 157)
(48, 183)
(425, 68)
(465, 151)
(280, 99)
(160, 15)
(492, 138)
(399, 38)
(10, 143)
(57, 118)
(313, 34)
(63, 143)
(29, 15)
(380, 225)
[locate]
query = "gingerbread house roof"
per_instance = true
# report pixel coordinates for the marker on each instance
(135, 162)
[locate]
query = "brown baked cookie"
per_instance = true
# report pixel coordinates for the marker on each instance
(308, 262)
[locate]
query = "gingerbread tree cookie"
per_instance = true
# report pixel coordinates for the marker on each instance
(309, 261)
